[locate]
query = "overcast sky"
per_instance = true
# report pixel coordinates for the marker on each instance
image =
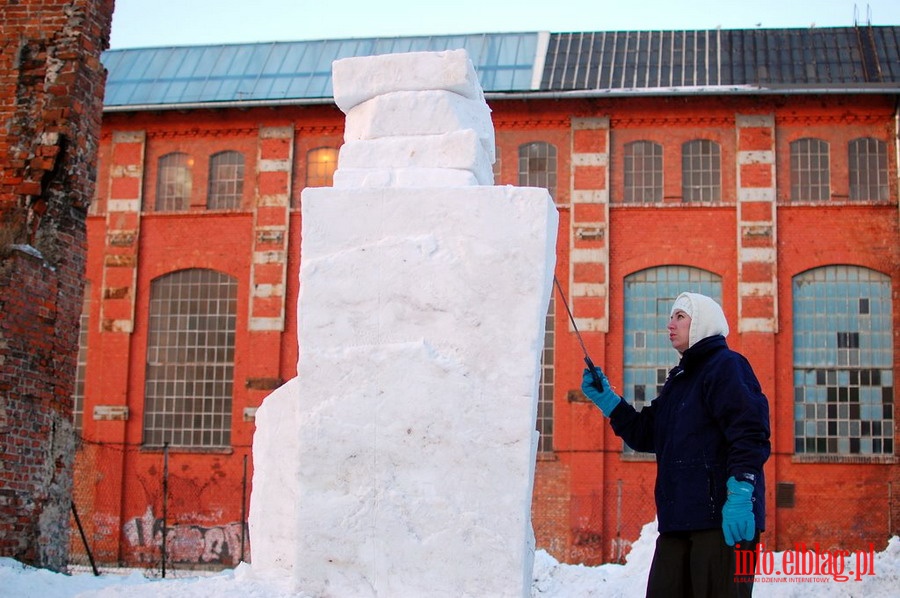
(147, 23)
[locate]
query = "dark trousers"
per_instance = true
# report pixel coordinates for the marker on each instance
(699, 564)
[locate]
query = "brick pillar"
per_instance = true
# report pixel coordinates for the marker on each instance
(757, 261)
(588, 240)
(123, 223)
(756, 221)
(270, 228)
(268, 269)
(117, 307)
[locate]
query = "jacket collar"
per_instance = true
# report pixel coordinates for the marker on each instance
(701, 349)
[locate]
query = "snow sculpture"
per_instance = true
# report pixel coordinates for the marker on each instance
(400, 460)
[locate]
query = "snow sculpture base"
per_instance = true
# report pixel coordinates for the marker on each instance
(400, 461)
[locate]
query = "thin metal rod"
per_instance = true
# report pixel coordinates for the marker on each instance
(598, 382)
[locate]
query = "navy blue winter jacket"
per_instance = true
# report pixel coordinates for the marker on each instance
(710, 422)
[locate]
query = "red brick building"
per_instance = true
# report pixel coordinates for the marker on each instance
(759, 167)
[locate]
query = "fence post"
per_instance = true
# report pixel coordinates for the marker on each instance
(243, 507)
(165, 504)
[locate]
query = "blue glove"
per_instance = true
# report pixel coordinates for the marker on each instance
(737, 514)
(606, 399)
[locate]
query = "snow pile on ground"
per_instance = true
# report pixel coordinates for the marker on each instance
(551, 580)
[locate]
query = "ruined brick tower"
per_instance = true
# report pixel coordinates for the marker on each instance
(51, 98)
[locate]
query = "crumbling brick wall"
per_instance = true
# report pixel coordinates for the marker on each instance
(51, 97)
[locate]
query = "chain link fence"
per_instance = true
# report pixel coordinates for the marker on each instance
(181, 511)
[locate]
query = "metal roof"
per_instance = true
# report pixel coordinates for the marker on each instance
(839, 59)
(285, 71)
(772, 58)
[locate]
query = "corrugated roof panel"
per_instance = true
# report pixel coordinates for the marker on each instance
(293, 70)
(793, 58)
(887, 45)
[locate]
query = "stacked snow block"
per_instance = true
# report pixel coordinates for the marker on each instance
(413, 120)
(400, 460)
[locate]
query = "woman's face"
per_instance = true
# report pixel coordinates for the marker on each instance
(679, 330)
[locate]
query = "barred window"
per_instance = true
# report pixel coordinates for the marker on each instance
(649, 355)
(810, 170)
(868, 164)
(190, 359)
(81, 364)
(537, 166)
(701, 171)
(643, 172)
(843, 362)
(226, 181)
(545, 390)
(173, 183)
(320, 166)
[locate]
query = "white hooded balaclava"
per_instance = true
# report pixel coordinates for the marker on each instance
(707, 317)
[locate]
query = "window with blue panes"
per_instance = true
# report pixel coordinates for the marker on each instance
(843, 362)
(649, 355)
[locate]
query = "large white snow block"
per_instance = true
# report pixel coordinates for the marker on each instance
(357, 79)
(430, 112)
(421, 324)
(456, 149)
(403, 177)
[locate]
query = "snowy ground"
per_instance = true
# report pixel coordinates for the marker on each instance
(551, 580)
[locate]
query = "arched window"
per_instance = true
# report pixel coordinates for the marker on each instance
(701, 171)
(868, 164)
(537, 166)
(843, 362)
(649, 355)
(190, 359)
(643, 161)
(320, 166)
(173, 183)
(810, 170)
(226, 181)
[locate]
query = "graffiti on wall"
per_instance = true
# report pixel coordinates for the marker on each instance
(185, 543)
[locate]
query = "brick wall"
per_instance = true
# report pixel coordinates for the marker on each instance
(51, 94)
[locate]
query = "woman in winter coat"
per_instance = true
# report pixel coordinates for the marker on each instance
(709, 428)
